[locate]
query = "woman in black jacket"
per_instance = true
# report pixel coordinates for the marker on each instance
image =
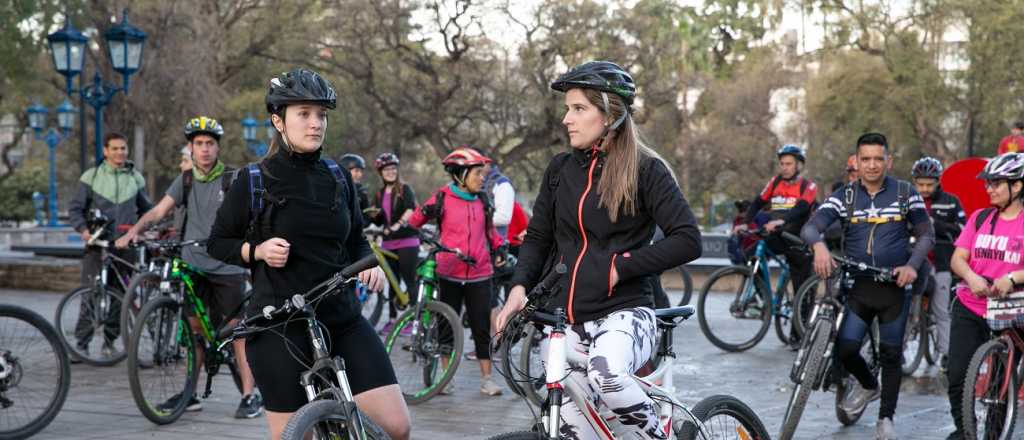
(395, 202)
(309, 228)
(596, 212)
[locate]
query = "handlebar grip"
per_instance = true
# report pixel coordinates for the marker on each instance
(549, 281)
(225, 332)
(366, 262)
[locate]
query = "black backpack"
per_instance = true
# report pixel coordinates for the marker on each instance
(260, 212)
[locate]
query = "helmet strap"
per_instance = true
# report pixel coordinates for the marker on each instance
(612, 130)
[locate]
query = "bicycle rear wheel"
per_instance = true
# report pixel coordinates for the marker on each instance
(724, 417)
(684, 274)
(425, 353)
(35, 372)
(327, 419)
(812, 363)
(990, 393)
(142, 287)
(784, 317)
(734, 309)
(162, 370)
(89, 321)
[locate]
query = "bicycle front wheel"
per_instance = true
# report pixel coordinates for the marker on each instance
(425, 347)
(35, 372)
(142, 287)
(734, 309)
(531, 367)
(803, 302)
(162, 370)
(990, 393)
(89, 322)
(724, 417)
(812, 359)
(328, 419)
(914, 338)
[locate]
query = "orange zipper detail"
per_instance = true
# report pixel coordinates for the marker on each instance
(583, 251)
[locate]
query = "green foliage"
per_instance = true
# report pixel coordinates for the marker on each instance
(16, 193)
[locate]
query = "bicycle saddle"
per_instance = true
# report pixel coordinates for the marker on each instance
(672, 313)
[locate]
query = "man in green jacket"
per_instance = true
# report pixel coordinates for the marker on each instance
(119, 193)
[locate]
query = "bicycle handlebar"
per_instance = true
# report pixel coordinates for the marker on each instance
(438, 247)
(297, 302)
(881, 274)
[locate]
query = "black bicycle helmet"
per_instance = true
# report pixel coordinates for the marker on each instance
(299, 85)
(927, 167)
(352, 161)
(605, 76)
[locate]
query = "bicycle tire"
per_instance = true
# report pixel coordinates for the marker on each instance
(67, 331)
(131, 305)
(327, 411)
(803, 303)
(724, 405)
(519, 435)
(434, 384)
(783, 318)
(684, 274)
(931, 348)
(970, 424)
(63, 364)
(536, 392)
(702, 304)
(813, 362)
(915, 332)
(166, 312)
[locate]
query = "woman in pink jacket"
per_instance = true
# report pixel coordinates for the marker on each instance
(460, 209)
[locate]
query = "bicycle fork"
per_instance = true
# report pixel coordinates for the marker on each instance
(554, 372)
(323, 362)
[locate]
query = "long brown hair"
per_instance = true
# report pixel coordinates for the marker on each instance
(618, 185)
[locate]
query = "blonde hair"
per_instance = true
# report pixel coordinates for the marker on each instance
(624, 148)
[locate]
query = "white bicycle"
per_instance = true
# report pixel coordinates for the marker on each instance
(716, 417)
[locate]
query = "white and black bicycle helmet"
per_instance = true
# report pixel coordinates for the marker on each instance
(1008, 167)
(926, 167)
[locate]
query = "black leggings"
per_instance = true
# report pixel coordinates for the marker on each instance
(404, 268)
(477, 296)
(968, 331)
(890, 304)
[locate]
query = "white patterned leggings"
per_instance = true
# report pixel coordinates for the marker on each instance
(615, 347)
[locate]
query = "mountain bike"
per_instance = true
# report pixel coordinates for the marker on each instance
(425, 345)
(373, 303)
(815, 367)
(163, 352)
(331, 412)
(992, 385)
(749, 299)
(35, 372)
(154, 282)
(717, 417)
(94, 310)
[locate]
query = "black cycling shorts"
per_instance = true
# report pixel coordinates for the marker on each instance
(277, 373)
(222, 295)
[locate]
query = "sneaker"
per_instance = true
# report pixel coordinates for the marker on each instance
(406, 331)
(84, 349)
(193, 404)
(471, 356)
(250, 407)
(488, 387)
(108, 350)
(885, 429)
(955, 435)
(858, 397)
(386, 330)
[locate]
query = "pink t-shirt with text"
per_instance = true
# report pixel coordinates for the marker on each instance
(993, 253)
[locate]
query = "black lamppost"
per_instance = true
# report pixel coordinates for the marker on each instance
(124, 44)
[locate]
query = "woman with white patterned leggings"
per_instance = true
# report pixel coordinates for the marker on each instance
(596, 212)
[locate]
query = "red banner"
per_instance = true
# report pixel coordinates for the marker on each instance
(961, 179)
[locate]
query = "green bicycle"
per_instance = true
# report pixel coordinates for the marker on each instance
(163, 355)
(425, 345)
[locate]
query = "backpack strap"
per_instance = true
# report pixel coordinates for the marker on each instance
(340, 184)
(903, 198)
(849, 205)
(982, 217)
(186, 188)
(558, 163)
(256, 194)
(228, 177)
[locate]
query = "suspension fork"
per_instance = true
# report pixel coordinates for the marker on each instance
(554, 372)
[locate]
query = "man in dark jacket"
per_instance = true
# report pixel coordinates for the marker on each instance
(948, 219)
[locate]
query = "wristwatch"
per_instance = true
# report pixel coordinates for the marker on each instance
(1013, 282)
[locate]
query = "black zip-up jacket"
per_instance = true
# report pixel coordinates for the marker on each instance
(323, 241)
(948, 219)
(398, 206)
(569, 226)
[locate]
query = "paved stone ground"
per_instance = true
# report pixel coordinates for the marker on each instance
(100, 405)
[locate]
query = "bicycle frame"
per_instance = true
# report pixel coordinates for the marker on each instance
(401, 296)
(559, 384)
(759, 267)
